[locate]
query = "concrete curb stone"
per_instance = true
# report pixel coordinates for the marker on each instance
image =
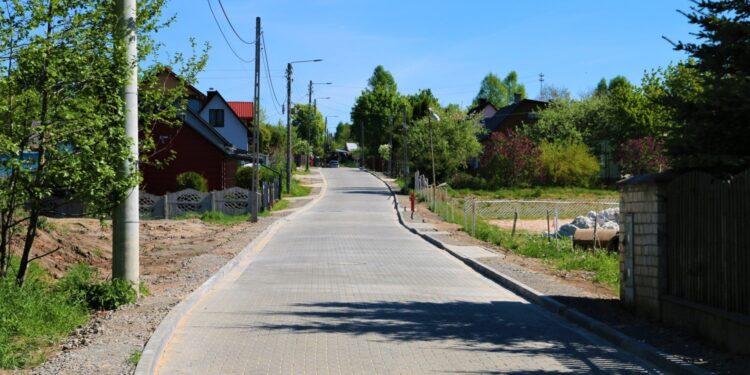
(624, 342)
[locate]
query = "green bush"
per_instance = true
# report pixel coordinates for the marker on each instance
(192, 180)
(462, 180)
(109, 295)
(80, 286)
(568, 164)
(244, 176)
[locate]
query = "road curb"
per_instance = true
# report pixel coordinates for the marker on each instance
(154, 349)
(617, 338)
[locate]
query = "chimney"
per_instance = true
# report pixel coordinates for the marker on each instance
(517, 98)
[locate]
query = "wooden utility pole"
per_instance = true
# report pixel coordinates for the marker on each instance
(256, 124)
(126, 216)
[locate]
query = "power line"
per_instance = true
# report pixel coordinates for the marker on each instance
(268, 73)
(232, 26)
(224, 35)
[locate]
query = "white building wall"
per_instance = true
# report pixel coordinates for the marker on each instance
(233, 130)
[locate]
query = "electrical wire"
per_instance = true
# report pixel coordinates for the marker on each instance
(224, 35)
(232, 26)
(277, 103)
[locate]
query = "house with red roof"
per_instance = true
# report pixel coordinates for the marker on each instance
(212, 141)
(244, 111)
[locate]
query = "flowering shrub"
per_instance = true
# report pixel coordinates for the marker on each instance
(510, 159)
(642, 156)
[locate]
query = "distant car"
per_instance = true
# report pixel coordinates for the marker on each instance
(333, 164)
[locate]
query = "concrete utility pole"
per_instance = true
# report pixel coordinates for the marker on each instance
(406, 149)
(312, 119)
(541, 84)
(390, 151)
(125, 220)
(256, 123)
(289, 128)
(362, 145)
(433, 115)
(289, 121)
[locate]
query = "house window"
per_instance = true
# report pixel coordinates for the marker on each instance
(216, 117)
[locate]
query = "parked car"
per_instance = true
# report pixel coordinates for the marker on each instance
(333, 164)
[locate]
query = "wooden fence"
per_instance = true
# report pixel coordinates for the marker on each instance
(232, 201)
(708, 240)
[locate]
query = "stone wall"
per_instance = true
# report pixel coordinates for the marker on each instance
(642, 245)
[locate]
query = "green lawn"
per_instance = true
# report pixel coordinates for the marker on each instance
(559, 254)
(545, 192)
(298, 190)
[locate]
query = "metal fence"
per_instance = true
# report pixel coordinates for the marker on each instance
(707, 240)
(543, 217)
(232, 201)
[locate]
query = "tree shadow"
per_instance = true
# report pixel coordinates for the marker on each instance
(497, 327)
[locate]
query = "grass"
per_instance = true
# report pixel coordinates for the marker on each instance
(220, 218)
(544, 192)
(298, 190)
(34, 319)
(135, 357)
(560, 254)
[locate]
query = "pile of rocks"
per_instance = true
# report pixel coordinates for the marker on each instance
(606, 219)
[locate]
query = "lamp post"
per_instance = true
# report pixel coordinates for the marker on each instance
(313, 113)
(289, 121)
(433, 115)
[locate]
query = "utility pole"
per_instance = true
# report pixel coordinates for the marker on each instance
(406, 150)
(256, 124)
(390, 150)
(289, 121)
(362, 145)
(289, 128)
(541, 84)
(125, 219)
(312, 118)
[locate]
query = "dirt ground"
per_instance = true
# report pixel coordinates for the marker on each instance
(531, 226)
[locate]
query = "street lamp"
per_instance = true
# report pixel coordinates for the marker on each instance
(289, 120)
(312, 114)
(433, 115)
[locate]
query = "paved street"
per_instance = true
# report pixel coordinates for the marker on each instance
(342, 288)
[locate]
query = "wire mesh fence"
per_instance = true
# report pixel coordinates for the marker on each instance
(551, 218)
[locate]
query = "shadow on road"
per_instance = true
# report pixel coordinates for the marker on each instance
(511, 327)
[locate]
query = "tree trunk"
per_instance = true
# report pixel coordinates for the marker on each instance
(30, 236)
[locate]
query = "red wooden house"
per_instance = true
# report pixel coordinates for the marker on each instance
(195, 146)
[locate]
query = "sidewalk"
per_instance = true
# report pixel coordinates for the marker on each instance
(571, 290)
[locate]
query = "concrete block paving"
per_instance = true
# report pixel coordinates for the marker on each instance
(342, 288)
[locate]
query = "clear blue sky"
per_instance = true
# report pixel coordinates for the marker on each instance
(445, 46)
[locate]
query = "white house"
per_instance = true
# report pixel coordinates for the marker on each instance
(220, 115)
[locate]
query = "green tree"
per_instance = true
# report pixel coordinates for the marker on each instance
(343, 134)
(373, 109)
(499, 92)
(61, 133)
(601, 88)
(308, 125)
(713, 127)
(455, 139)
